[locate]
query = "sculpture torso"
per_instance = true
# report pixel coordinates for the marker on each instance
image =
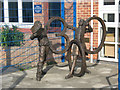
(43, 39)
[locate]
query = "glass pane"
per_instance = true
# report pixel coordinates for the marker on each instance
(109, 50)
(110, 35)
(119, 17)
(54, 10)
(27, 9)
(118, 49)
(111, 17)
(13, 11)
(109, 2)
(1, 11)
(119, 35)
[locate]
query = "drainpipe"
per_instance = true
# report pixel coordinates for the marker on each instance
(62, 39)
(91, 56)
(74, 16)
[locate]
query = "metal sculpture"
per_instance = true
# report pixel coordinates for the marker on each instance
(39, 32)
(79, 41)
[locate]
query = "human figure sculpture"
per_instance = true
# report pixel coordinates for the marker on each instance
(39, 32)
(44, 44)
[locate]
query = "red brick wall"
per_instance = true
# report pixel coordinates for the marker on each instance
(39, 17)
(69, 12)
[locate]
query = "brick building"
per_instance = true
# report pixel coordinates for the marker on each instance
(23, 13)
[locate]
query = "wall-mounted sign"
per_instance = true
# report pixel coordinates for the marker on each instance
(37, 8)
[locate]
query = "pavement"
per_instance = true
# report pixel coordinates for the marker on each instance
(103, 75)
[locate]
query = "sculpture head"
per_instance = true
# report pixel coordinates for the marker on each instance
(36, 28)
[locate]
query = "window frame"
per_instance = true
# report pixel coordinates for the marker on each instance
(20, 16)
(109, 9)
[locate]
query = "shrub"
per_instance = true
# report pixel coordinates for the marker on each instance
(11, 36)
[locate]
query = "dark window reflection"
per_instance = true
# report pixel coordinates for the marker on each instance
(109, 2)
(111, 17)
(27, 10)
(1, 11)
(13, 11)
(54, 11)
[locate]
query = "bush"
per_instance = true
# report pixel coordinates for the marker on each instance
(11, 36)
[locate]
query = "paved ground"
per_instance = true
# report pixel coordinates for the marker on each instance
(102, 76)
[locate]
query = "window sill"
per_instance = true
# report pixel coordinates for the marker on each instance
(20, 25)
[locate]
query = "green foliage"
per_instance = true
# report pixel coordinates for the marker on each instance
(11, 36)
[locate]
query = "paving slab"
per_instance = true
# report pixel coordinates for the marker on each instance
(101, 76)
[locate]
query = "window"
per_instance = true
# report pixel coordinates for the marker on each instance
(119, 2)
(119, 35)
(27, 10)
(13, 11)
(119, 17)
(109, 17)
(16, 12)
(109, 50)
(109, 2)
(110, 35)
(2, 12)
(54, 10)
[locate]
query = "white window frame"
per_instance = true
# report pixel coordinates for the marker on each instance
(110, 9)
(20, 22)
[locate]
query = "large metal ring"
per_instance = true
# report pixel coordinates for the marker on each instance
(103, 35)
(62, 33)
(82, 52)
(59, 19)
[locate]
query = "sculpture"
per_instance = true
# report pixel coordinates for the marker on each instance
(39, 32)
(44, 44)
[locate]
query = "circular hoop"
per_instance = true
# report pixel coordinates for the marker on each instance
(103, 35)
(62, 33)
(81, 50)
(59, 19)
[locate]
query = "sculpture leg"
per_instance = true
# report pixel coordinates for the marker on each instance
(72, 69)
(83, 66)
(69, 58)
(71, 65)
(39, 71)
(42, 58)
